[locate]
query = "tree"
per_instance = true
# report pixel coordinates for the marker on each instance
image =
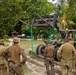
(67, 13)
(8, 10)
(42, 7)
(71, 14)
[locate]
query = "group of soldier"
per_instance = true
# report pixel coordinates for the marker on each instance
(11, 56)
(66, 53)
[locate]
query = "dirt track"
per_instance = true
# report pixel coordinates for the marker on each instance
(37, 67)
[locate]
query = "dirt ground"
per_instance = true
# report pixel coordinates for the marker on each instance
(37, 67)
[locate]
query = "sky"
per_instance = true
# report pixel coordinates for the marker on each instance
(56, 1)
(53, 1)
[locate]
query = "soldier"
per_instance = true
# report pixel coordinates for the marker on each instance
(12, 54)
(72, 42)
(67, 54)
(3, 66)
(48, 56)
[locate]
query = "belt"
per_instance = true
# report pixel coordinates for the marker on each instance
(11, 61)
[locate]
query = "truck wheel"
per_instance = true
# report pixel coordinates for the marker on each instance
(56, 56)
(40, 49)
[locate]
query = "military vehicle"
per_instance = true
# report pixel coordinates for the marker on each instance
(62, 35)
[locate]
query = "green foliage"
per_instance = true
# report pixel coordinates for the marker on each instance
(71, 14)
(42, 7)
(42, 32)
(69, 11)
(23, 9)
(71, 26)
(9, 9)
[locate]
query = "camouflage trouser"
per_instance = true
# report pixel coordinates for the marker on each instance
(3, 69)
(74, 64)
(49, 63)
(15, 69)
(66, 67)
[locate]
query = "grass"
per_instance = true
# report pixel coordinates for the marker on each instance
(27, 45)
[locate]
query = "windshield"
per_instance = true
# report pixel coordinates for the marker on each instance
(65, 34)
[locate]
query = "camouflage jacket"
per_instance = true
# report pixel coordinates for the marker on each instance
(13, 54)
(49, 51)
(2, 59)
(66, 51)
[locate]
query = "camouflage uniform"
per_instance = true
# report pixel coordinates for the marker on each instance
(12, 54)
(71, 41)
(67, 53)
(48, 56)
(3, 66)
(74, 60)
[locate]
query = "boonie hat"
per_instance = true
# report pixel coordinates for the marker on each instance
(1, 41)
(15, 39)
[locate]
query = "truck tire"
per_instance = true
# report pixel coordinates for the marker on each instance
(55, 52)
(40, 49)
(56, 56)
